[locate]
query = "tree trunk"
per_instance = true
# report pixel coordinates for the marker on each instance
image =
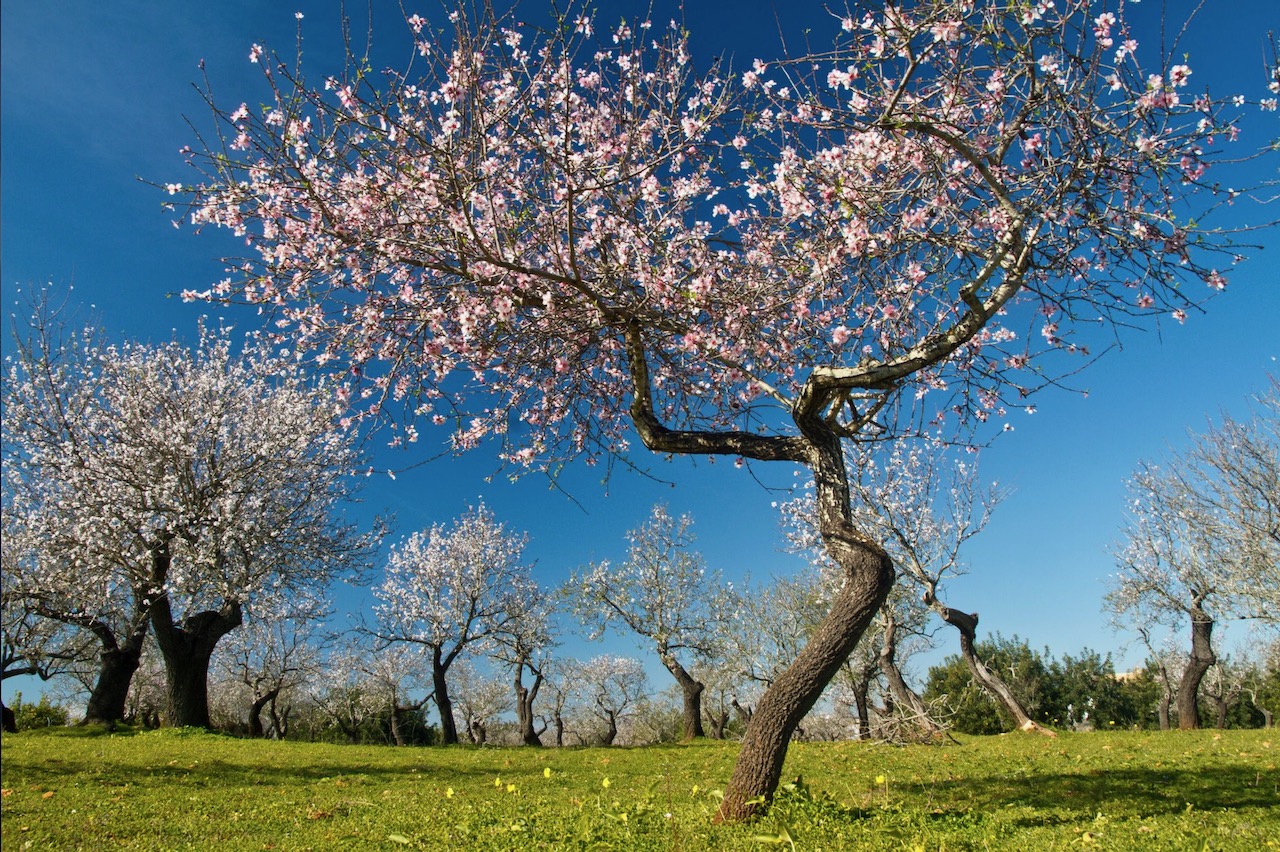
(187, 649)
(1202, 659)
(861, 687)
(967, 624)
(397, 734)
(558, 719)
(110, 695)
(718, 720)
(903, 695)
(279, 720)
(524, 704)
(611, 733)
(868, 579)
(10, 725)
(691, 691)
(255, 713)
(448, 727)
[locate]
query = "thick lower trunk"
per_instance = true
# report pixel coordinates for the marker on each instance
(903, 695)
(967, 624)
(868, 579)
(110, 695)
(10, 724)
(448, 727)
(611, 732)
(1162, 708)
(558, 721)
(1202, 659)
(691, 692)
(187, 649)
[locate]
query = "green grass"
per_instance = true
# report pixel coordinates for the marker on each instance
(84, 789)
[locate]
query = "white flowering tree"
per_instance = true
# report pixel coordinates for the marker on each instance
(613, 689)
(1202, 540)
(663, 593)
(172, 487)
(452, 589)
(525, 644)
(271, 659)
(559, 241)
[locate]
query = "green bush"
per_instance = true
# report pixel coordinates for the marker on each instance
(44, 714)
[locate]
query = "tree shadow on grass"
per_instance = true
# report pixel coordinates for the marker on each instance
(1137, 792)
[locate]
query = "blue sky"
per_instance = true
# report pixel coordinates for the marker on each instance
(93, 98)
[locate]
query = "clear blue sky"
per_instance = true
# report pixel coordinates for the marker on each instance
(93, 98)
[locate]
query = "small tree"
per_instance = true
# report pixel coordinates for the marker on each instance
(453, 589)
(547, 239)
(663, 593)
(613, 691)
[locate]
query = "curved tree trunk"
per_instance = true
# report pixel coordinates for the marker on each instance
(967, 624)
(903, 695)
(256, 729)
(868, 579)
(691, 692)
(1202, 659)
(187, 649)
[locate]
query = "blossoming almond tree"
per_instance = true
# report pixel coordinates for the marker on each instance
(550, 237)
(174, 488)
(1202, 540)
(452, 590)
(663, 593)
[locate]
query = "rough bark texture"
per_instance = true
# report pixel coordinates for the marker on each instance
(869, 576)
(967, 624)
(1202, 659)
(861, 687)
(187, 649)
(10, 720)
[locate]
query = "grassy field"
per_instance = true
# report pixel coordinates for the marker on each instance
(81, 789)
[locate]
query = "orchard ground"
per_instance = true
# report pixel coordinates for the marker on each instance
(74, 788)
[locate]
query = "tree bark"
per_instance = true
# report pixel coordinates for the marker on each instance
(110, 695)
(868, 579)
(525, 696)
(1202, 659)
(611, 732)
(448, 728)
(187, 649)
(861, 687)
(691, 691)
(967, 624)
(903, 695)
(255, 713)
(10, 725)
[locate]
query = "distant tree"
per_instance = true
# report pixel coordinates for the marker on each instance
(272, 658)
(614, 687)
(972, 708)
(663, 593)
(564, 681)
(452, 590)
(545, 238)
(175, 486)
(397, 679)
(525, 645)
